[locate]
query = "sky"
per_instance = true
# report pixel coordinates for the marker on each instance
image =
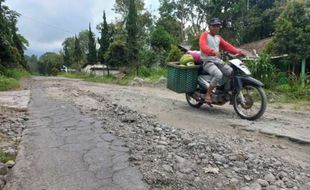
(46, 23)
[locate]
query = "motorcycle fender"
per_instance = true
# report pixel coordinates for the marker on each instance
(246, 80)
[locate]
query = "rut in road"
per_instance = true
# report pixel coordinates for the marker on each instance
(62, 149)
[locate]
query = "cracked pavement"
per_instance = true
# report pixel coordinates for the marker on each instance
(63, 149)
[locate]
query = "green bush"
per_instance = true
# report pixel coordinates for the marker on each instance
(175, 54)
(152, 73)
(161, 39)
(283, 88)
(263, 70)
(282, 78)
(117, 54)
(16, 73)
(144, 71)
(8, 83)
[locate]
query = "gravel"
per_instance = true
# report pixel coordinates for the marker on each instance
(173, 158)
(12, 123)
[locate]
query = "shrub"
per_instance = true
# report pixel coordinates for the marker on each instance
(263, 70)
(282, 78)
(16, 73)
(152, 73)
(8, 83)
(144, 71)
(175, 54)
(161, 39)
(117, 54)
(283, 88)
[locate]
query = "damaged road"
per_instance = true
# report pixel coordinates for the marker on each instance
(62, 149)
(162, 141)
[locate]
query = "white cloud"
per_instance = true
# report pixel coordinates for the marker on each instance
(47, 46)
(46, 23)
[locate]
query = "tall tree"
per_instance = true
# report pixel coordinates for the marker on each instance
(132, 31)
(50, 63)
(161, 39)
(77, 54)
(292, 35)
(92, 52)
(32, 62)
(83, 39)
(5, 52)
(68, 49)
(12, 44)
(183, 15)
(143, 19)
(104, 41)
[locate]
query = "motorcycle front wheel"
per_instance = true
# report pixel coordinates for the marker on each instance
(250, 102)
(192, 101)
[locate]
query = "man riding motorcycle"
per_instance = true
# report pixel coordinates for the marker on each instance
(210, 45)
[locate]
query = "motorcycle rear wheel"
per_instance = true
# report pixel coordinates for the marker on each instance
(254, 102)
(192, 101)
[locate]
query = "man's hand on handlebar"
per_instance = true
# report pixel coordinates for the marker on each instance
(217, 54)
(241, 54)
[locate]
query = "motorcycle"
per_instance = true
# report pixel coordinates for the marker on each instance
(245, 93)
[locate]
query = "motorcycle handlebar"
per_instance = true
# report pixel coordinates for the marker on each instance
(243, 58)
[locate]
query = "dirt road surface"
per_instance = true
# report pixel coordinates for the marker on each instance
(176, 146)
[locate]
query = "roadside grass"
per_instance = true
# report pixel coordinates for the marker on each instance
(8, 83)
(289, 93)
(150, 75)
(4, 157)
(10, 78)
(289, 97)
(16, 73)
(100, 79)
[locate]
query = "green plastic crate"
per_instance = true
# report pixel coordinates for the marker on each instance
(182, 79)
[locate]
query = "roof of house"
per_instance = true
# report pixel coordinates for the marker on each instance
(94, 66)
(258, 46)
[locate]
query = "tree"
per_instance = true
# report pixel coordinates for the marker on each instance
(77, 54)
(5, 42)
(92, 52)
(161, 39)
(168, 19)
(292, 32)
(143, 19)
(32, 62)
(104, 41)
(116, 55)
(68, 51)
(12, 44)
(50, 63)
(132, 31)
(179, 17)
(83, 40)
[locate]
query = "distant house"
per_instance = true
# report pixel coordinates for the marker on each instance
(255, 48)
(99, 69)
